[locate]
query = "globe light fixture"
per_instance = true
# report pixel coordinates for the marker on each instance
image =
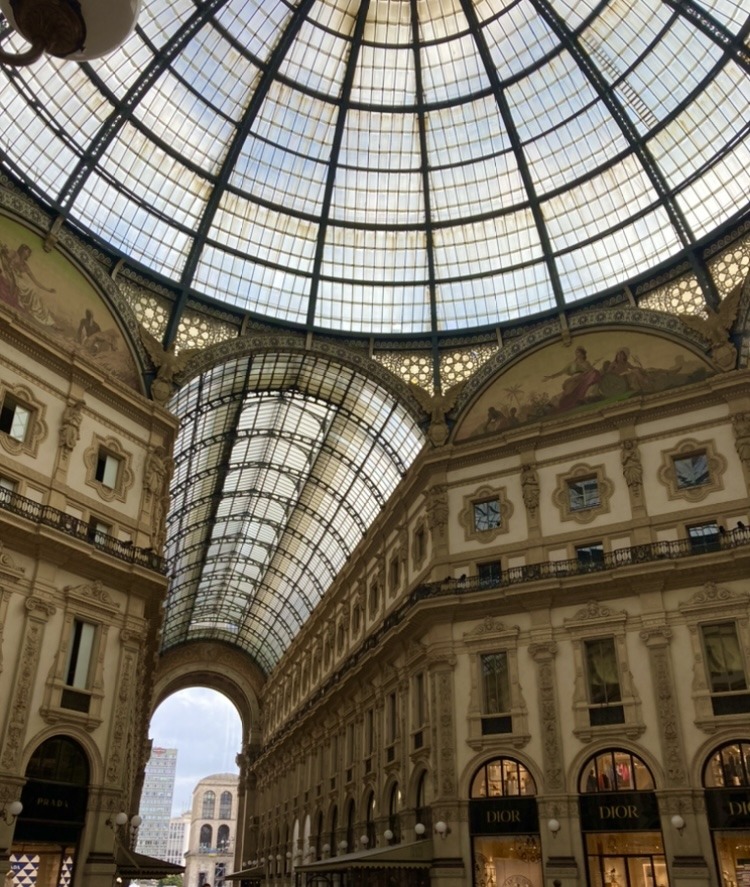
(78, 30)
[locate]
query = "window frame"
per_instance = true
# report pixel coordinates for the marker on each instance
(492, 636)
(109, 446)
(667, 474)
(592, 622)
(36, 429)
(484, 496)
(579, 473)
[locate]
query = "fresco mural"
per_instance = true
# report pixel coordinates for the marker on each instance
(49, 290)
(596, 369)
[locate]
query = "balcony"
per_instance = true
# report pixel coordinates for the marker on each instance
(46, 516)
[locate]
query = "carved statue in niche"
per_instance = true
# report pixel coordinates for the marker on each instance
(632, 469)
(159, 467)
(70, 427)
(530, 488)
(741, 423)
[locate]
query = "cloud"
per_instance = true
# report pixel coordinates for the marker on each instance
(205, 728)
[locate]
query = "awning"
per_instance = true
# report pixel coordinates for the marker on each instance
(137, 865)
(417, 855)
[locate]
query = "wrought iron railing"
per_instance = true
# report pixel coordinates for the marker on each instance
(78, 529)
(548, 570)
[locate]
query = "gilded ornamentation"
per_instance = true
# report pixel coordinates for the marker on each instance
(438, 406)
(543, 654)
(169, 364)
(715, 327)
(22, 688)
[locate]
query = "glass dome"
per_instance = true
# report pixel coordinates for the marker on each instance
(395, 167)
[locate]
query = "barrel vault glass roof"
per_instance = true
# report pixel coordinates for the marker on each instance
(384, 168)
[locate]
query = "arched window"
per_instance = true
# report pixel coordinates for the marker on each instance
(500, 778)
(350, 837)
(421, 810)
(209, 804)
(59, 759)
(615, 771)
(370, 825)
(206, 838)
(222, 839)
(333, 849)
(225, 805)
(728, 766)
(319, 839)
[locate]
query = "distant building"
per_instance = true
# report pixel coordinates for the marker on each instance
(178, 839)
(212, 831)
(156, 803)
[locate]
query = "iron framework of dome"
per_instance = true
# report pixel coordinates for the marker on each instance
(409, 170)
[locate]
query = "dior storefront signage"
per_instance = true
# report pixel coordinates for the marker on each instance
(619, 811)
(498, 816)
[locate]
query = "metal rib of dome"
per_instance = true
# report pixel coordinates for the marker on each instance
(282, 463)
(396, 166)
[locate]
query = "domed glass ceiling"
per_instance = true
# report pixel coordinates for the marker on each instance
(395, 166)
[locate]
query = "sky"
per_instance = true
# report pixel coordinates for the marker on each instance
(205, 728)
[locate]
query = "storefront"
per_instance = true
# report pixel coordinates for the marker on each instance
(727, 786)
(620, 822)
(504, 826)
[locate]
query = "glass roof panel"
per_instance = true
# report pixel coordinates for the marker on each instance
(282, 463)
(318, 163)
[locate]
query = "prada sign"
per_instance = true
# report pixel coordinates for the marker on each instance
(619, 812)
(728, 808)
(502, 816)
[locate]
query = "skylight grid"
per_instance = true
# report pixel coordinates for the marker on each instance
(253, 287)
(255, 24)
(218, 72)
(496, 298)
(721, 191)
(388, 23)
(619, 36)
(334, 15)
(374, 256)
(666, 77)
(23, 135)
(384, 77)
(704, 129)
(605, 201)
(316, 60)
(516, 39)
(160, 21)
(122, 68)
(73, 101)
(185, 123)
(452, 70)
(635, 248)
(731, 13)
(586, 143)
(481, 247)
(549, 97)
(374, 140)
(378, 197)
(296, 122)
(269, 236)
(465, 132)
(462, 192)
(146, 237)
(161, 182)
(360, 307)
(444, 21)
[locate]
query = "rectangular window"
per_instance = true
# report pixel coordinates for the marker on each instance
(486, 515)
(590, 556)
(419, 544)
(350, 743)
(583, 493)
(75, 695)
(7, 488)
(107, 469)
(420, 700)
(691, 471)
(603, 681)
(704, 537)
(726, 669)
(393, 578)
(15, 418)
(495, 693)
(98, 531)
(391, 717)
(489, 574)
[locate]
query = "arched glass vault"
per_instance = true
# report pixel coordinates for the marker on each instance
(282, 463)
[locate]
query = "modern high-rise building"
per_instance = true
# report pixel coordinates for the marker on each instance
(156, 803)
(178, 838)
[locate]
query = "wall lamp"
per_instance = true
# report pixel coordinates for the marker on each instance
(441, 828)
(679, 823)
(121, 820)
(554, 826)
(419, 829)
(11, 811)
(86, 29)
(388, 834)
(343, 846)
(364, 841)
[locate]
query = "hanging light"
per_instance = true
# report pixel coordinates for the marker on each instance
(77, 30)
